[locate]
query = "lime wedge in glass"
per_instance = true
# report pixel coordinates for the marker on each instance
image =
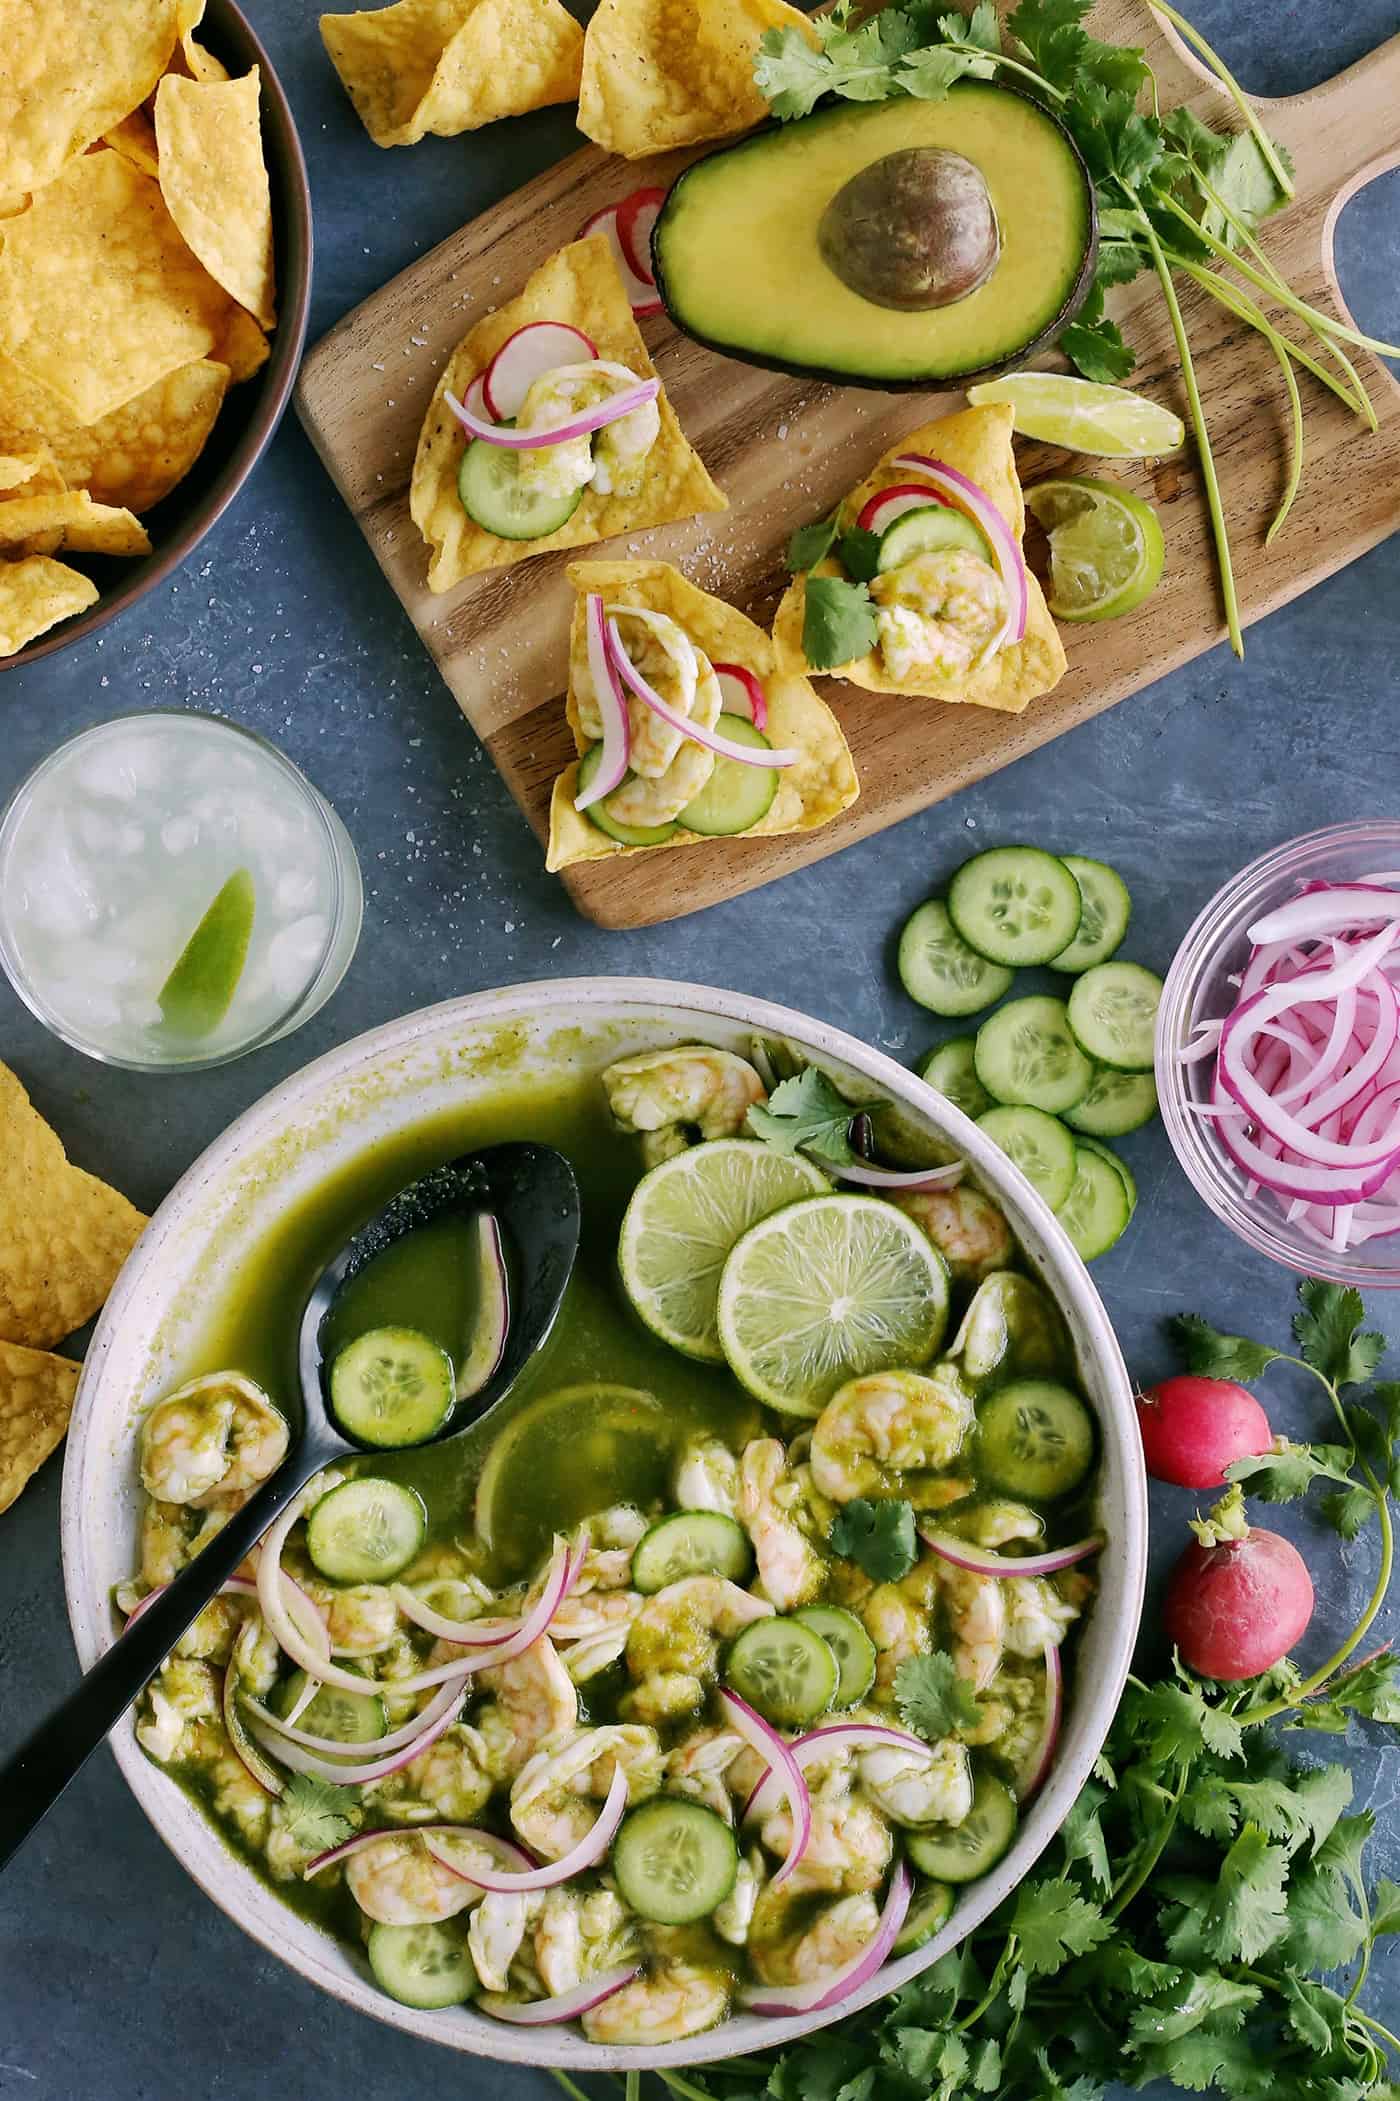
(1081, 415)
(684, 1218)
(1106, 550)
(824, 1291)
(199, 991)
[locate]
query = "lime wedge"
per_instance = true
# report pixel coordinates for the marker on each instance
(824, 1291)
(1083, 416)
(199, 991)
(1106, 550)
(684, 1218)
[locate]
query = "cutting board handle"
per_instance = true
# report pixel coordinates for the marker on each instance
(1349, 127)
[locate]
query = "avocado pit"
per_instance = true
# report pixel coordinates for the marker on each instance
(915, 230)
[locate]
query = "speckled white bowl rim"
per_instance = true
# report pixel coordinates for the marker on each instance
(131, 1354)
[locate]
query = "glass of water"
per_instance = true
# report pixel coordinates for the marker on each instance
(173, 893)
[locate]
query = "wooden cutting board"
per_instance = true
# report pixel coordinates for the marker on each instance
(786, 450)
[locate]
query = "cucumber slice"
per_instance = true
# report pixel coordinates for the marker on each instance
(493, 497)
(348, 1717)
(1120, 1167)
(1039, 1145)
(674, 1861)
(1096, 1211)
(962, 1852)
(1117, 1102)
(785, 1670)
(849, 1644)
(736, 797)
(933, 529)
(598, 814)
(1104, 922)
(1015, 905)
(1036, 1438)
(691, 1543)
(940, 971)
(951, 1067)
(928, 1913)
(1026, 1055)
(1113, 1013)
(423, 1966)
(366, 1530)
(392, 1387)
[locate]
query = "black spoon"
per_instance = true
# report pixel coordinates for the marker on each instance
(532, 1193)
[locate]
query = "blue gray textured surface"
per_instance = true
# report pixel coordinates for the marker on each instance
(117, 1978)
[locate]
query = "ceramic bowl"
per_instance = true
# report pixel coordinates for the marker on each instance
(443, 1058)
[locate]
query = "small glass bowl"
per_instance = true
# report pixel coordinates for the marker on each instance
(1198, 989)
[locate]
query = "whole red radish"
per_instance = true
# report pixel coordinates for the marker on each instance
(1238, 1598)
(1192, 1429)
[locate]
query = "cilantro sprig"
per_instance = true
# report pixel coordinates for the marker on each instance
(879, 1537)
(809, 1112)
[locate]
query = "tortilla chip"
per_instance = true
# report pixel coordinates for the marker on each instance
(579, 285)
(449, 66)
(29, 474)
(63, 1234)
(82, 526)
(35, 595)
(70, 70)
(36, 1400)
(135, 455)
(242, 346)
(214, 180)
(135, 139)
(811, 793)
(189, 58)
(99, 295)
(657, 75)
(977, 442)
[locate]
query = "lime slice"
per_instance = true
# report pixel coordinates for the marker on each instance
(1106, 550)
(199, 991)
(1083, 416)
(824, 1291)
(684, 1218)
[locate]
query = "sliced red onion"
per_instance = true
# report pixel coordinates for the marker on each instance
(335, 1854)
(488, 1344)
(586, 1854)
(910, 1179)
(446, 1702)
(983, 1561)
(1041, 1756)
(828, 1991)
(1336, 908)
(762, 1737)
(236, 1587)
(711, 740)
(564, 2006)
(641, 292)
(879, 513)
(636, 216)
(742, 694)
(464, 1634)
(612, 706)
(581, 425)
(965, 495)
(351, 1774)
(819, 1744)
(537, 348)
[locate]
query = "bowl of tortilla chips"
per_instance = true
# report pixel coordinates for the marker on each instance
(155, 272)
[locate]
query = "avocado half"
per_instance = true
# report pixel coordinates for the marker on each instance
(888, 244)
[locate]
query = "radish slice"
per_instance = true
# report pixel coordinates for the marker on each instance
(1041, 1756)
(565, 2006)
(743, 754)
(640, 290)
(582, 425)
(333, 1855)
(983, 1562)
(881, 511)
(636, 216)
(742, 694)
(966, 496)
(612, 706)
(837, 1985)
(586, 1854)
(488, 1344)
(760, 1736)
(539, 347)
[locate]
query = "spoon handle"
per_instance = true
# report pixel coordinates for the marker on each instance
(39, 1771)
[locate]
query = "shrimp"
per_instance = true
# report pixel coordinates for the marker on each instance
(1010, 1327)
(707, 1477)
(733, 1919)
(1002, 1523)
(550, 1803)
(362, 1620)
(673, 1646)
(534, 1698)
(670, 663)
(790, 1568)
(612, 1535)
(877, 1432)
(449, 1777)
(613, 461)
(929, 1786)
(1036, 1615)
(397, 1882)
(219, 1436)
(976, 1608)
(790, 1946)
(967, 1228)
(700, 1766)
(695, 1086)
(576, 1936)
(936, 614)
(591, 1631)
(183, 1693)
(211, 1636)
(898, 1618)
(850, 1845)
(496, 1933)
(673, 2000)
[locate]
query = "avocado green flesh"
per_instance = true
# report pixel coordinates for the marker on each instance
(740, 266)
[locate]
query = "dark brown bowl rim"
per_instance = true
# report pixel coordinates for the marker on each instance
(287, 165)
